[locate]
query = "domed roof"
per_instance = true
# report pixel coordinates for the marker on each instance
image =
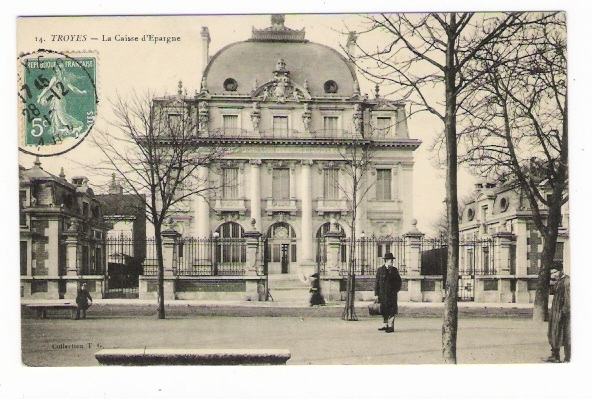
(243, 63)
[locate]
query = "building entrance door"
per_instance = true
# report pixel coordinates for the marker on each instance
(281, 248)
(285, 259)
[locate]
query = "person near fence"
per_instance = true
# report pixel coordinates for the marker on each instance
(559, 332)
(316, 296)
(83, 301)
(387, 286)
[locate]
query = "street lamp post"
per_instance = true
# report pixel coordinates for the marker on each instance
(363, 257)
(215, 236)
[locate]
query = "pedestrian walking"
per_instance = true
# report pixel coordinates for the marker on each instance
(559, 332)
(388, 284)
(83, 301)
(316, 296)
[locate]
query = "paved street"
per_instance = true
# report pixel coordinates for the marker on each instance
(314, 336)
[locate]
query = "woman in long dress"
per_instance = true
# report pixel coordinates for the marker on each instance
(55, 94)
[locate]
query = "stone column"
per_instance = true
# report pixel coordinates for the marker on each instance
(405, 197)
(169, 240)
(504, 241)
(307, 263)
(256, 192)
(202, 208)
(413, 243)
(53, 248)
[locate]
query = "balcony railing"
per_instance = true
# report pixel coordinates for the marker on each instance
(281, 205)
(230, 205)
(234, 132)
(334, 134)
(280, 134)
(331, 205)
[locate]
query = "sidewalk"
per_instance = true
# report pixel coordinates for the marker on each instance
(125, 307)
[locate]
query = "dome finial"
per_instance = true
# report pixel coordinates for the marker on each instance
(277, 20)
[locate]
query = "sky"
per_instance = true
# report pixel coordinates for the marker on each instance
(125, 67)
(132, 67)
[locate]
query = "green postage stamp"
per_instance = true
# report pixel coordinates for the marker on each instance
(58, 101)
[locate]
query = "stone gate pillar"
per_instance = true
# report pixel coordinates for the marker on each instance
(253, 266)
(333, 243)
(504, 241)
(169, 246)
(72, 267)
(413, 259)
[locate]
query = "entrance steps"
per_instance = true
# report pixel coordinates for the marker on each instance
(289, 288)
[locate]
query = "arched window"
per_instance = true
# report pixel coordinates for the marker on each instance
(230, 245)
(322, 248)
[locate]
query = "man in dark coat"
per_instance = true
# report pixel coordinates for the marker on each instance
(388, 284)
(83, 301)
(559, 333)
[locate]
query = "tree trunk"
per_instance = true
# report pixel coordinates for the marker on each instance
(450, 322)
(160, 288)
(540, 311)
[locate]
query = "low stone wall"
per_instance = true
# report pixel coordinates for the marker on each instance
(223, 288)
(488, 289)
(60, 287)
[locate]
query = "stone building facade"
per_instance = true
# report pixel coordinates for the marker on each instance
(292, 110)
(61, 235)
(501, 215)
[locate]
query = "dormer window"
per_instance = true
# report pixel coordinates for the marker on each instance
(383, 125)
(174, 121)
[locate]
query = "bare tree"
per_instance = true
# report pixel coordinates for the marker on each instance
(356, 162)
(155, 146)
(424, 57)
(516, 126)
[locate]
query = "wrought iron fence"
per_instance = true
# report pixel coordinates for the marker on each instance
(368, 254)
(478, 257)
(210, 257)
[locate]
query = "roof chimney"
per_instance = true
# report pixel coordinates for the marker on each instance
(205, 47)
(114, 187)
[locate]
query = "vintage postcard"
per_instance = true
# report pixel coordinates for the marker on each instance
(286, 189)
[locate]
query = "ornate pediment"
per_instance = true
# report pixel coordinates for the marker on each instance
(386, 105)
(281, 88)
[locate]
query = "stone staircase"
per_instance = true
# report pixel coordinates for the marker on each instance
(289, 288)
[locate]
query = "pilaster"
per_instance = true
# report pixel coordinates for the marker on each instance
(256, 192)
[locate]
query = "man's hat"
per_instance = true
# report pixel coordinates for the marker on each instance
(388, 256)
(557, 265)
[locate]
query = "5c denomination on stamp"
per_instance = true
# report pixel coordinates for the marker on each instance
(58, 100)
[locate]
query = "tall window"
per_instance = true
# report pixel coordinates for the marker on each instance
(330, 124)
(175, 122)
(383, 184)
(230, 124)
(230, 183)
(23, 250)
(230, 248)
(280, 124)
(22, 202)
(383, 125)
(281, 183)
(331, 189)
